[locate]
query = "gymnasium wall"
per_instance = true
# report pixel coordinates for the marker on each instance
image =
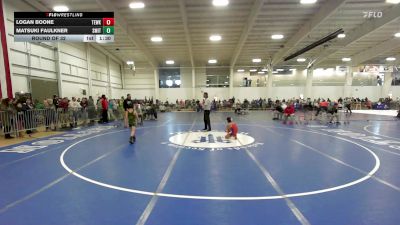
(139, 83)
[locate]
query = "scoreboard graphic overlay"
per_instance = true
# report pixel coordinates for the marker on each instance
(64, 26)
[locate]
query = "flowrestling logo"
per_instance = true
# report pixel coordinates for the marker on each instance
(211, 141)
(373, 14)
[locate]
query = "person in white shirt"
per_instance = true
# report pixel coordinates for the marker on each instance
(206, 107)
(73, 108)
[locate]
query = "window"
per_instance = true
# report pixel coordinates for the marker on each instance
(396, 79)
(329, 76)
(217, 81)
(217, 77)
(368, 79)
(169, 78)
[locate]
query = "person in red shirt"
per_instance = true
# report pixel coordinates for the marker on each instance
(63, 110)
(231, 129)
(288, 112)
(104, 109)
(323, 105)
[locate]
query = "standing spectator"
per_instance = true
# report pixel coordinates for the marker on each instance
(84, 111)
(30, 116)
(323, 105)
(139, 112)
(50, 114)
(73, 110)
(347, 104)
(22, 120)
(6, 119)
(55, 101)
(38, 104)
(207, 108)
(333, 111)
(111, 107)
(99, 109)
(29, 104)
(121, 110)
(63, 112)
(153, 110)
(104, 109)
(128, 102)
(91, 109)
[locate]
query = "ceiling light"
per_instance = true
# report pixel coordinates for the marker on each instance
(240, 70)
(301, 60)
(136, 5)
(215, 38)
(129, 62)
(212, 61)
(277, 36)
(280, 70)
(346, 59)
(308, 1)
(265, 70)
(253, 70)
(261, 72)
(393, 1)
(156, 39)
(275, 72)
(390, 59)
(169, 83)
(256, 60)
(292, 69)
(61, 8)
(341, 36)
(397, 34)
(169, 62)
(220, 2)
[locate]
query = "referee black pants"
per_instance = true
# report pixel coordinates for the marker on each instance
(207, 122)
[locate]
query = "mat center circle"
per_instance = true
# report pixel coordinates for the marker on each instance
(211, 139)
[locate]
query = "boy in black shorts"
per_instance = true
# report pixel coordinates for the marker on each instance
(130, 120)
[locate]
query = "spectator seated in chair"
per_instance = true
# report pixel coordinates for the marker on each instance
(368, 104)
(289, 113)
(238, 108)
(162, 108)
(151, 112)
(278, 111)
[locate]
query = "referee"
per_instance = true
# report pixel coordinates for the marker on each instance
(206, 107)
(128, 103)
